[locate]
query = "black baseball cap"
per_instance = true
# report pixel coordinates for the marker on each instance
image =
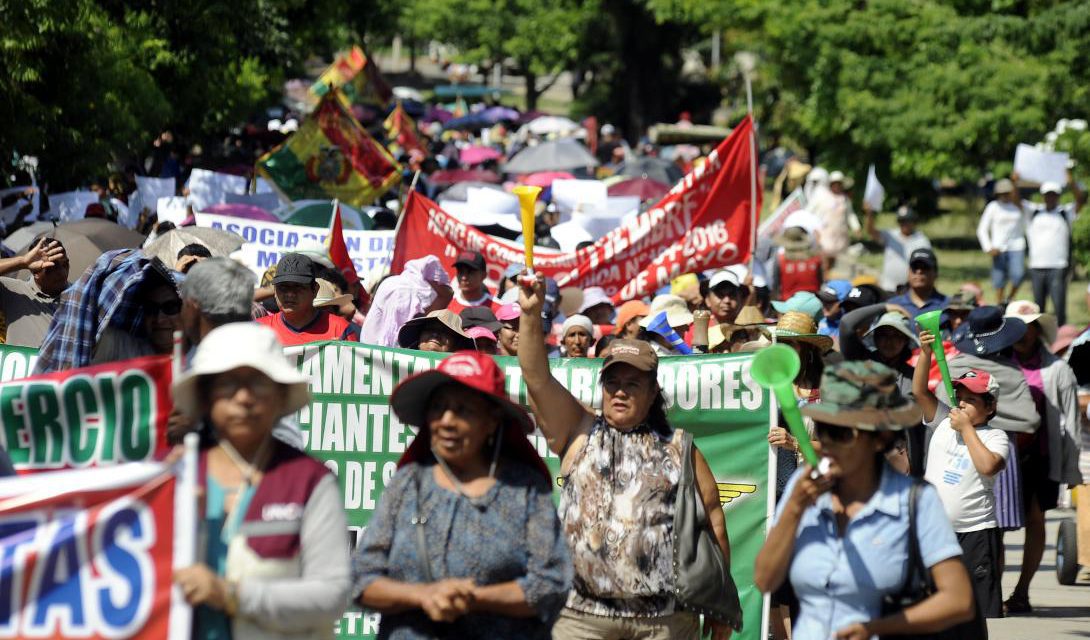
(862, 296)
(906, 214)
(925, 256)
(480, 317)
(294, 267)
(471, 259)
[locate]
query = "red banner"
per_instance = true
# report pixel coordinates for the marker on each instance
(88, 553)
(105, 414)
(703, 223)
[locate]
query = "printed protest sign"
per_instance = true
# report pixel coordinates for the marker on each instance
(89, 553)
(266, 242)
(703, 223)
(351, 427)
(105, 414)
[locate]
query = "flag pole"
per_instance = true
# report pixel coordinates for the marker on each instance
(752, 175)
(401, 213)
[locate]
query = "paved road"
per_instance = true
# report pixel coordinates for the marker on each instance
(1059, 612)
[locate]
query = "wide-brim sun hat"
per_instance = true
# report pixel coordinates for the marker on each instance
(474, 373)
(989, 332)
(328, 297)
(408, 337)
(799, 327)
(1029, 313)
(863, 394)
(677, 311)
(235, 346)
(898, 323)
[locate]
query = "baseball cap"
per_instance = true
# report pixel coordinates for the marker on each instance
(906, 214)
(834, 291)
(479, 317)
(471, 259)
(637, 353)
(802, 301)
(1051, 187)
(509, 312)
(978, 381)
(924, 255)
(861, 296)
(294, 267)
(836, 176)
(724, 276)
(1003, 186)
(480, 332)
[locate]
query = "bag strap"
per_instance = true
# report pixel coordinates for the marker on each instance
(688, 475)
(917, 570)
(419, 521)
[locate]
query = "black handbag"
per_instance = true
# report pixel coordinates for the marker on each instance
(702, 580)
(919, 586)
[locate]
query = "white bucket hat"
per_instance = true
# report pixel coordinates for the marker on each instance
(594, 296)
(1028, 312)
(677, 312)
(237, 345)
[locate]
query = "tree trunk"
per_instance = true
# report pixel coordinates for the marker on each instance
(412, 56)
(531, 90)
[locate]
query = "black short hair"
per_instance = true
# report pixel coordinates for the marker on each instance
(194, 249)
(332, 275)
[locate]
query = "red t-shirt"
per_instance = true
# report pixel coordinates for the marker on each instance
(457, 303)
(325, 326)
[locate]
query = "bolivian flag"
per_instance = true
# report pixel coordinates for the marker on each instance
(331, 156)
(401, 129)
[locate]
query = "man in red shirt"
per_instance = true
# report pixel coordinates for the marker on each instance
(471, 290)
(298, 320)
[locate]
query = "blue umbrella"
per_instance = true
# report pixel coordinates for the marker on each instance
(472, 121)
(499, 113)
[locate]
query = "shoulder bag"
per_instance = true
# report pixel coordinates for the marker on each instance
(702, 580)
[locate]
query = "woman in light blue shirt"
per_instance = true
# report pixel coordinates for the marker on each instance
(841, 539)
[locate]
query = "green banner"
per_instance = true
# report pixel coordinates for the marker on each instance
(351, 428)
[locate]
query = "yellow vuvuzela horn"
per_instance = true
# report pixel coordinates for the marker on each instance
(930, 322)
(527, 197)
(775, 367)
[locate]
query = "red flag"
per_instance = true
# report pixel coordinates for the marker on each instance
(703, 223)
(338, 250)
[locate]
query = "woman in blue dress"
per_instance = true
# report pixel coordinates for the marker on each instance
(842, 538)
(465, 542)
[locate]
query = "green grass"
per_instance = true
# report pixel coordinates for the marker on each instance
(953, 236)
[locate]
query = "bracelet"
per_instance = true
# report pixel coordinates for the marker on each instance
(230, 599)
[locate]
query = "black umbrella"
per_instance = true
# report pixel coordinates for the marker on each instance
(655, 168)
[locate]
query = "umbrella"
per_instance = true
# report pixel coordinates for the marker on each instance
(437, 114)
(247, 211)
(545, 179)
(476, 155)
(20, 239)
(546, 125)
(460, 191)
(558, 155)
(220, 243)
(644, 188)
(498, 114)
(657, 169)
(453, 176)
(319, 213)
(86, 240)
(470, 122)
(408, 93)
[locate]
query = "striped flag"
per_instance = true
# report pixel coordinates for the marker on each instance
(331, 156)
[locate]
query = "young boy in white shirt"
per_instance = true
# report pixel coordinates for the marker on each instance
(963, 457)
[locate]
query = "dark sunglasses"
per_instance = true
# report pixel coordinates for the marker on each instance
(835, 434)
(170, 307)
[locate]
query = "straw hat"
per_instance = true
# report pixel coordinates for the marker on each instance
(799, 327)
(1029, 313)
(234, 346)
(328, 296)
(408, 337)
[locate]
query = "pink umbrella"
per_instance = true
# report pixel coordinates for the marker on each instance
(454, 176)
(645, 188)
(247, 211)
(544, 179)
(476, 155)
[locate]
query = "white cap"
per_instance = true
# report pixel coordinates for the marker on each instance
(836, 176)
(608, 129)
(1051, 187)
(594, 296)
(724, 275)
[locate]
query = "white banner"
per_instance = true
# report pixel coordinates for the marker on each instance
(207, 188)
(266, 242)
(874, 194)
(71, 205)
(1034, 165)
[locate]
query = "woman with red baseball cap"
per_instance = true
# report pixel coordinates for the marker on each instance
(469, 482)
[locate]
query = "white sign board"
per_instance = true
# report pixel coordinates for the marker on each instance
(207, 188)
(1034, 165)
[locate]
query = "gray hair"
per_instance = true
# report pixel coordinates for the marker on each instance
(222, 288)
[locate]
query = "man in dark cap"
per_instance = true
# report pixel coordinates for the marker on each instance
(921, 296)
(298, 320)
(471, 291)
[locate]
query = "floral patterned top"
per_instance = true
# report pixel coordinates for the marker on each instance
(509, 533)
(617, 507)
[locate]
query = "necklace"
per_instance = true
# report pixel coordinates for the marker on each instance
(247, 469)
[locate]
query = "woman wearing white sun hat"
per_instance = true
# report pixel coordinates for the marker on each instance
(265, 573)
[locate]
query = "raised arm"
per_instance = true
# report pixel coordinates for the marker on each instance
(927, 400)
(43, 254)
(872, 232)
(563, 417)
(1080, 195)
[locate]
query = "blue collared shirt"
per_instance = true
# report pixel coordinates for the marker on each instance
(936, 301)
(842, 580)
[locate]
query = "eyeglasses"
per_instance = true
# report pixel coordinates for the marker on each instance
(835, 434)
(170, 307)
(226, 386)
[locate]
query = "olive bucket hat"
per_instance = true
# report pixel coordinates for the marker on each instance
(864, 395)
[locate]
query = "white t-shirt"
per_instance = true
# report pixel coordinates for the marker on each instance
(895, 260)
(1049, 235)
(1002, 226)
(966, 495)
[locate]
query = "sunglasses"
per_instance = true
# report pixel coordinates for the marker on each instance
(835, 434)
(170, 307)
